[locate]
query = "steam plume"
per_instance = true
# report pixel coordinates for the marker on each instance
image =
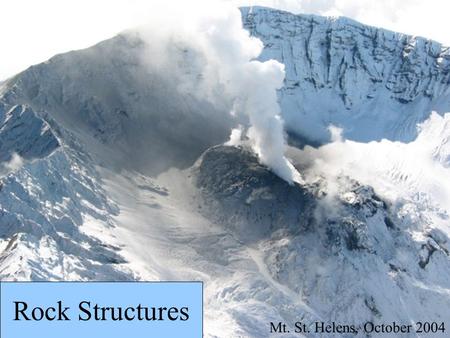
(230, 73)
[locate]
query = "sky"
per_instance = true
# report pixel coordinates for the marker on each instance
(32, 31)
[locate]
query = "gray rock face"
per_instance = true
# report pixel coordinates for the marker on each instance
(24, 133)
(254, 203)
(371, 82)
(248, 197)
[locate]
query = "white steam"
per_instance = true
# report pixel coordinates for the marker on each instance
(224, 71)
(335, 133)
(14, 164)
(413, 174)
(235, 137)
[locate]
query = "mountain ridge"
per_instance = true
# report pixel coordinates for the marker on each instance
(370, 82)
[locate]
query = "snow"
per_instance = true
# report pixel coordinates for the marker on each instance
(371, 82)
(114, 183)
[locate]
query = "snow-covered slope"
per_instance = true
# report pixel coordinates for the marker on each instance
(49, 193)
(371, 82)
(109, 97)
(23, 133)
(109, 172)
